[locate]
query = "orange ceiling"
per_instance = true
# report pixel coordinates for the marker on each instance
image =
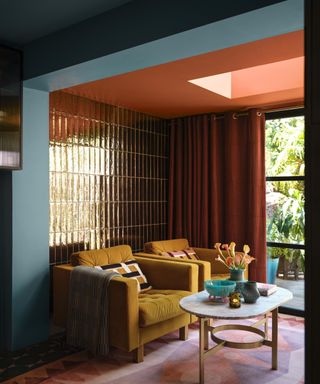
(165, 90)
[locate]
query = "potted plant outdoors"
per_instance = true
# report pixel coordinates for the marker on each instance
(273, 263)
(294, 260)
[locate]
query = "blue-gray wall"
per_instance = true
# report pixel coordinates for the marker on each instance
(30, 226)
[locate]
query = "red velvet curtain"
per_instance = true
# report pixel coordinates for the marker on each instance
(217, 187)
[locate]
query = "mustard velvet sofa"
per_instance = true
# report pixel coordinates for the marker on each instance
(134, 319)
(208, 266)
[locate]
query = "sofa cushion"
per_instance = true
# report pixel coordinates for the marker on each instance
(131, 270)
(159, 305)
(112, 255)
(158, 247)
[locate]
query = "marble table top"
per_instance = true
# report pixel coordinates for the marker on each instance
(200, 305)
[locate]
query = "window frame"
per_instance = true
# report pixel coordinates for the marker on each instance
(273, 244)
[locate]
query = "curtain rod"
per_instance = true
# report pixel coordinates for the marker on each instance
(239, 114)
(284, 109)
(280, 109)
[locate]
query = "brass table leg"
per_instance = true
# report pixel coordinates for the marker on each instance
(202, 337)
(274, 343)
(266, 326)
(206, 334)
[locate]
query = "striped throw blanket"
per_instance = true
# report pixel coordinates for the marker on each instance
(87, 325)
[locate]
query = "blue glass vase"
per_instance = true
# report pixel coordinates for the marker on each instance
(272, 269)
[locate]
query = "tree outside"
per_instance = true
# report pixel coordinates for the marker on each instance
(285, 199)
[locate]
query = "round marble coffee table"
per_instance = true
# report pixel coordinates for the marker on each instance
(205, 309)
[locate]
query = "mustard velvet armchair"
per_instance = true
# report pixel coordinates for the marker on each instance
(134, 319)
(208, 266)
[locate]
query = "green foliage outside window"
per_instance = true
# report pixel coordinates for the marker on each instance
(285, 147)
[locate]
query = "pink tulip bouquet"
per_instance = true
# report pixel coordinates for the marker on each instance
(233, 259)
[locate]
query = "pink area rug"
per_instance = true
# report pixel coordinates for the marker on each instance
(169, 360)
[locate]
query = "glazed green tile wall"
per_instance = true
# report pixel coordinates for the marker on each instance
(108, 176)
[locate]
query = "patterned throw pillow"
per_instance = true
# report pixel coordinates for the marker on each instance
(131, 270)
(188, 253)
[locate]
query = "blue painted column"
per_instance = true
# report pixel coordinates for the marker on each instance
(30, 226)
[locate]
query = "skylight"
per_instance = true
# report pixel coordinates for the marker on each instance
(261, 79)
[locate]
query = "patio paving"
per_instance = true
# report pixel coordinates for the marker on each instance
(297, 289)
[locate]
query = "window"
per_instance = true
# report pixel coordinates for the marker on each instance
(285, 199)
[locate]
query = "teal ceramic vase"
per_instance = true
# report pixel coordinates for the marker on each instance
(250, 292)
(236, 274)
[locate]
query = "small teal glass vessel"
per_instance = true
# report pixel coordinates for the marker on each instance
(220, 288)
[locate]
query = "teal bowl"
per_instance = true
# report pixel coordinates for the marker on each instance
(219, 287)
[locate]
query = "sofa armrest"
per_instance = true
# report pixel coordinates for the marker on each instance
(123, 308)
(204, 267)
(61, 278)
(165, 274)
(123, 313)
(216, 266)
